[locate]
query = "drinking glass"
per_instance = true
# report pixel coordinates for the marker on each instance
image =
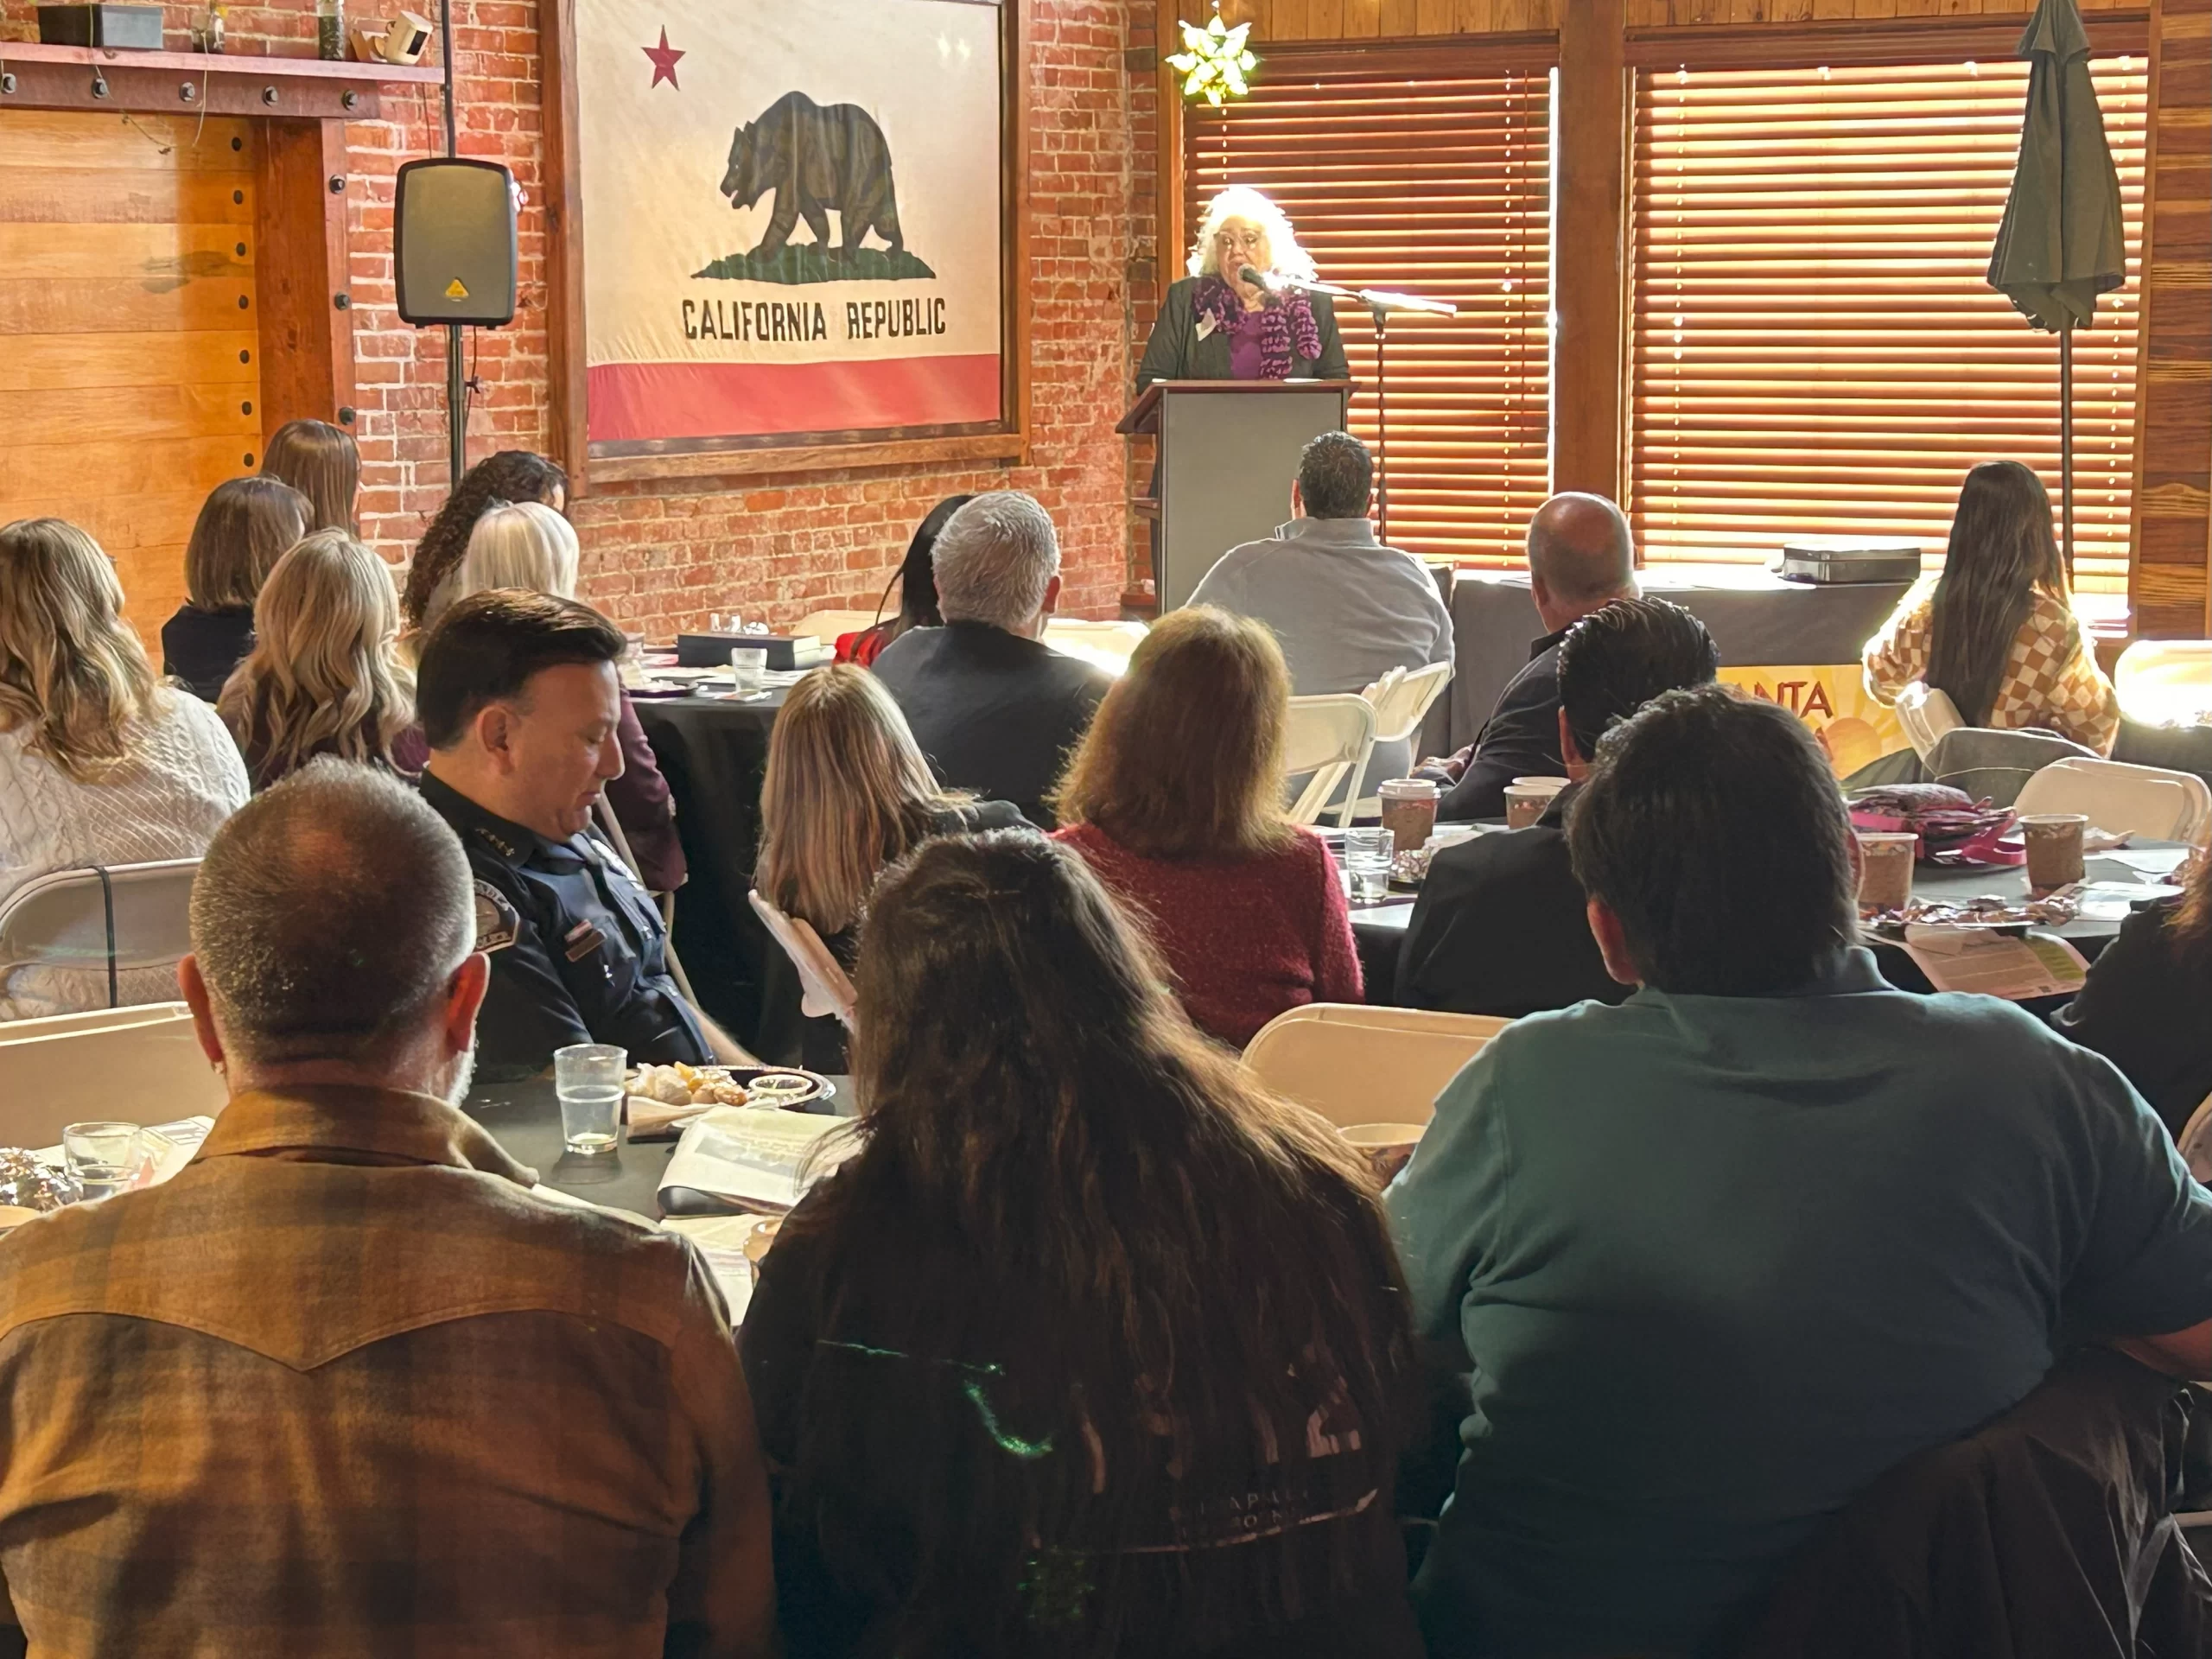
(1367, 864)
(588, 1078)
(748, 669)
(102, 1156)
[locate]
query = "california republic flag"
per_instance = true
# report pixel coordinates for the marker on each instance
(791, 216)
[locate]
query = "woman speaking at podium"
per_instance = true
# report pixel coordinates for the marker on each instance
(1217, 324)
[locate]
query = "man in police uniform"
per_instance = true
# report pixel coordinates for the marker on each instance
(517, 695)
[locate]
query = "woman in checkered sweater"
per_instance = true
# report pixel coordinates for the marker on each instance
(1996, 631)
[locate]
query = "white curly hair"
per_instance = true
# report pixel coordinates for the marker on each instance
(1242, 201)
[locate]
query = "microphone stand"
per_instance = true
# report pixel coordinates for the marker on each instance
(1380, 303)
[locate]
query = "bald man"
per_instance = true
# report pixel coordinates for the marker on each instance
(1580, 558)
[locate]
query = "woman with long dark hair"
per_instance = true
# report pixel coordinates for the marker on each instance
(1996, 632)
(1092, 1348)
(512, 476)
(917, 581)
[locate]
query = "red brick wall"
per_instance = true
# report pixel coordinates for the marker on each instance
(661, 556)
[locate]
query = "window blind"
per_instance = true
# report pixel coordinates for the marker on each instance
(1421, 171)
(1814, 350)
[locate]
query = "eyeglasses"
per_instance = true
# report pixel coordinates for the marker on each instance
(1249, 240)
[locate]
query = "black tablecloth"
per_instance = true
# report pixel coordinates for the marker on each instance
(713, 754)
(1758, 619)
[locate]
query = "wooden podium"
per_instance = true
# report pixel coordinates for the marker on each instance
(1228, 452)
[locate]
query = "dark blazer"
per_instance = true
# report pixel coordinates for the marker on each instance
(1500, 928)
(1175, 352)
(1520, 740)
(2144, 1009)
(201, 647)
(997, 715)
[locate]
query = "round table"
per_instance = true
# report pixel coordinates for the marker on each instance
(1380, 930)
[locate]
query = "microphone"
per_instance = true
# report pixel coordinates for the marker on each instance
(1256, 277)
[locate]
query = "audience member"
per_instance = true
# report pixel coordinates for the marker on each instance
(324, 677)
(1090, 1347)
(322, 463)
(243, 530)
(529, 546)
(2143, 1006)
(1721, 1256)
(510, 477)
(1996, 629)
(1346, 610)
(1580, 557)
(916, 582)
(994, 707)
(1499, 927)
(401, 1402)
(1175, 800)
(846, 793)
(99, 763)
(518, 701)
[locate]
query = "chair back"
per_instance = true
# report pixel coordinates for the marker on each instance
(1358, 1064)
(118, 916)
(2195, 1142)
(1331, 738)
(2165, 682)
(1926, 713)
(1996, 765)
(2125, 799)
(1401, 700)
(825, 986)
(141, 1064)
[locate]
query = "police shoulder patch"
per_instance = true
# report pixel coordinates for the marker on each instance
(496, 922)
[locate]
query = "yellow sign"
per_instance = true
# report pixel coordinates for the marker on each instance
(455, 290)
(1852, 727)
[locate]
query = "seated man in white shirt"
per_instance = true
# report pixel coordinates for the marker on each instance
(1346, 609)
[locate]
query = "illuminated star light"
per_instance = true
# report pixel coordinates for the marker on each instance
(664, 57)
(1214, 61)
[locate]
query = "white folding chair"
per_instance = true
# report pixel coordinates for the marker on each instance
(824, 986)
(611, 827)
(1401, 700)
(2125, 799)
(1330, 737)
(60, 1071)
(2195, 1142)
(120, 917)
(1357, 1065)
(1926, 714)
(2165, 682)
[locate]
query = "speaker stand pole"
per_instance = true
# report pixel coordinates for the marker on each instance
(456, 386)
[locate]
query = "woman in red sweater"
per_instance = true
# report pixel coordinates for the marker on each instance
(1175, 799)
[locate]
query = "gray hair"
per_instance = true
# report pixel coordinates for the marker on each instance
(329, 914)
(993, 560)
(1580, 547)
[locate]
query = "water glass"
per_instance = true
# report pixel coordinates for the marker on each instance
(102, 1156)
(748, 669)
(588, 1078)
(1367, 864)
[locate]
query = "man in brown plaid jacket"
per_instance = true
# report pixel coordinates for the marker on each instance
(346, 1386)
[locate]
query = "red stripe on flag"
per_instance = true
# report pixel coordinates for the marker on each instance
(633, 401)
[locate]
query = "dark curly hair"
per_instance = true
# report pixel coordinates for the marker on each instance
(512, 476)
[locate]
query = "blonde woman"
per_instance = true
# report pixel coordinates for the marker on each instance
(1217, 324)
(846, 793)
(324, 677)
(321, 463)
(244, 527)
(99, 763)
(529, 544)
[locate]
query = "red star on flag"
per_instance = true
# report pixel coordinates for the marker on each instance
(664, 57)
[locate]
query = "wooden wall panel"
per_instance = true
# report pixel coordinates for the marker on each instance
(129, 373)
(2172, 581)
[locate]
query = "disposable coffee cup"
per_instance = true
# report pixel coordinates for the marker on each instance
(1525, 804)
(1540, 781)
(1387, 1147)
(1885, 859)
(2054, 844)
(1409, 810)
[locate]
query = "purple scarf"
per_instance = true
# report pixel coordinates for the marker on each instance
(1288, 318)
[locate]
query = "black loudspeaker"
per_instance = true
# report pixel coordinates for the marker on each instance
(453, 243)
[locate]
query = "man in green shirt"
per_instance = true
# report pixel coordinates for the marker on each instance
(1720, 1256)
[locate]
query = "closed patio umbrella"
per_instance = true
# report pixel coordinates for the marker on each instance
(2061, 244)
